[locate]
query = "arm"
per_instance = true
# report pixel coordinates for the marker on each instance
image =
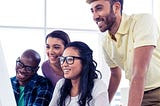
(55, 97)
(114, 82)
(102, 99)
(141, 60)
(56, 94)
(100, 94)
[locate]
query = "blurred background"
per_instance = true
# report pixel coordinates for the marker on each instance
(25, 23)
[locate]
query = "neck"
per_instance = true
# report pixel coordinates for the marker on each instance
(115, 28)
(57, 69)
(75, 88)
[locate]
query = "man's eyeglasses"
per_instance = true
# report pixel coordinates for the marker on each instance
(69, 59)
(20, 65)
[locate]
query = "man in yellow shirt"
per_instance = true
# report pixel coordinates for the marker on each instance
(132, 44)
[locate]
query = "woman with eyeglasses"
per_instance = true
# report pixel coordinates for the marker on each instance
(55, 44)
(80, 85)
(30, 89)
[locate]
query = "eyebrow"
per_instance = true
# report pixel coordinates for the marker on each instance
(98, 5)
(54, 45)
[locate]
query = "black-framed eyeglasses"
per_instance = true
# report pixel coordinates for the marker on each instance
(21, 65)
(69, 59)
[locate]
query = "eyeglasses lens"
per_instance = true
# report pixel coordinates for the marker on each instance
(19, 64)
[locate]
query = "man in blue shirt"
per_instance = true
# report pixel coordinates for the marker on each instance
(30, 89)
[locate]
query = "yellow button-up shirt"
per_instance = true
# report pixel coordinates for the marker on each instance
(134, 31)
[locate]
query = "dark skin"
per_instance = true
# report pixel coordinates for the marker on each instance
(23, 76)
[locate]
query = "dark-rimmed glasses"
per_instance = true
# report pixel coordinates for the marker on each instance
(69, 59)
(21, 65)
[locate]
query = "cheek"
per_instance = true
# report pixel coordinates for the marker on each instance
(112, 15)
(59, 52)
(110, 18)
(47, 51)
(105, 12)
(17, 69)
(78, 69)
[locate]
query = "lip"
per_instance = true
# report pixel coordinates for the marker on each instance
(100, 21)
(65, 71)
(53, 57)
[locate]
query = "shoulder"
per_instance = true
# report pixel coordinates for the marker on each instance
(13, 80)
(42, 84)
(45, 63)
(144, 25)
(42, 81)
(145, 30)
(142, 15)
(45, 67)
(60, 82)
(56, 93)
(99, 86)
(58, 86)
(143, 18)
(99, 83)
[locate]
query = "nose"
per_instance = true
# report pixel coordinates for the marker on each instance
(21, 70)
(51, 50)
(64, 63)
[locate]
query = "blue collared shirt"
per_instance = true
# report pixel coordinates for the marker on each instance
(38, 92)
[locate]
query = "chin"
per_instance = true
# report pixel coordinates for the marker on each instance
(67, 77)
(103, 29)
(52, 61)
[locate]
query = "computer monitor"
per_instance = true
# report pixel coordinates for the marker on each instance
(6, 92)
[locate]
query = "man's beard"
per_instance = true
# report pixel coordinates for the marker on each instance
(110, 19)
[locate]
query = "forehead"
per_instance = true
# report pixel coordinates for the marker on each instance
(52, 40)
(27, 61)
(70, 51)
(96, 3)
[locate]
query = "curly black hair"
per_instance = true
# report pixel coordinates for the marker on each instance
(88, 74)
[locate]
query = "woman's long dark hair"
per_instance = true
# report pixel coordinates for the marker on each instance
(88, 75)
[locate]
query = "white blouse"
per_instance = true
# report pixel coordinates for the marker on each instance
(99, 94)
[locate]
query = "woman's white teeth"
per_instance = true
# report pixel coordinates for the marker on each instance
(65, 70)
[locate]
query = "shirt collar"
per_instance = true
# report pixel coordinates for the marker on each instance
(124, 25)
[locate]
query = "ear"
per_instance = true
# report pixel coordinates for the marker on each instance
(117, 8)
